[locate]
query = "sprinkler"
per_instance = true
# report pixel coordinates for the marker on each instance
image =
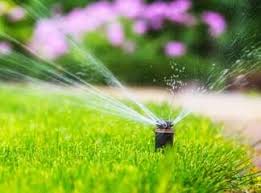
(164, 134)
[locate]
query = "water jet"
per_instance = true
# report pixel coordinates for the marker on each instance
(164, 134)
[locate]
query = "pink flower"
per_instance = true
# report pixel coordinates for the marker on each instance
(16, 14)
(81, 21)
(101, 12)
(175, 49)
(76, 23)
(115, 34)
(180, 6)
(155, 14)
(129, 8)
(215, 21)
(154, 10)
(140, 27)
(177, 12)
(5, 48)
(48, 40)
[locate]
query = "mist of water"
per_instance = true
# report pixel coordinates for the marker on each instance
(94, 98)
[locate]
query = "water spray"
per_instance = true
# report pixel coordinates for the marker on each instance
(164, 134)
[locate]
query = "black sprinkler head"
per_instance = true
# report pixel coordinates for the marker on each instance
(164, 125)
(164, 134)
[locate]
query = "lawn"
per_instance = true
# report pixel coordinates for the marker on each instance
(50, 145)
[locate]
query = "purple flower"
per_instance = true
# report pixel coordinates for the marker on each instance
(129, 8)
(16, 14)
(76, 23)
(5, 48)
(140, 27)
(215, 21)
(48, 40)
(101, 12)
(175, 49)
(115, 34)
(180, 6)
(177, 12)
(155, 14)
(80, 21)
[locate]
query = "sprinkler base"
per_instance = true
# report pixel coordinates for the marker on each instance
(164, 135)
(163, 138)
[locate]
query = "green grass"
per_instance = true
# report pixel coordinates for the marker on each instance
(49, 145)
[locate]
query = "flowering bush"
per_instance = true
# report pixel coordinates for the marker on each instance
(133, 35)
(110, 18)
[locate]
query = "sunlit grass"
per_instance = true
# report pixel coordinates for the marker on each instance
(49, 145)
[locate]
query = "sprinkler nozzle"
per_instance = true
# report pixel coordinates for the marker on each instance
(164, 134)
